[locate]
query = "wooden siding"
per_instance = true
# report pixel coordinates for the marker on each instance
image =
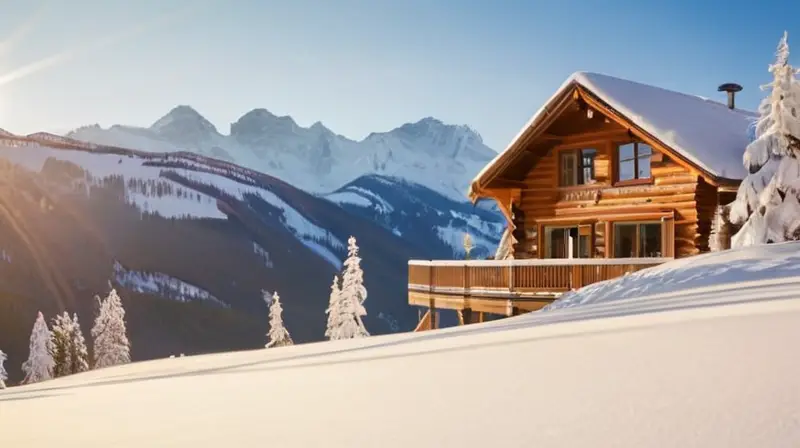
(673, 192)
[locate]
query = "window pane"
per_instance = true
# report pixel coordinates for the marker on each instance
(568, 168)
(585, 242)
(626, 170)
(556, 241)
(624, 240)
(626, 152)
(644, 168)
(644, 149)
(650, 240)
(587, 165)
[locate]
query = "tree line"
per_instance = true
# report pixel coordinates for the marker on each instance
(61, 349)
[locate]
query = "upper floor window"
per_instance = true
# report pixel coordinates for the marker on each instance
(577, 167)
(633, 161)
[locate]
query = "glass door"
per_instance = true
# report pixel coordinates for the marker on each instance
(567, 241)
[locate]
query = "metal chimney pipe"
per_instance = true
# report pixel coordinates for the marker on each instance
(731, 89)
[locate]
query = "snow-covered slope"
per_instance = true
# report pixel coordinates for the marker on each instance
(155, 193)
(434, 220)
(698, 368)
(439, 156)
(775, 261)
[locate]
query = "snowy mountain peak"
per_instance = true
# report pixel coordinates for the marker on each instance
(260, 127)
(429, 152)
(320, 128)
(436, 138)
(434, 127)
(185, 124)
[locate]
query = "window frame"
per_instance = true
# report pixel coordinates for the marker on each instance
(582, 231)
(578, 169)
(635, 158)
(637, 238)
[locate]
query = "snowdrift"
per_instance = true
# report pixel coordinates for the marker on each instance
(693, 360)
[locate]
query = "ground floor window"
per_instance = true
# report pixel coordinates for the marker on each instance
(567, 241)
(637, 240)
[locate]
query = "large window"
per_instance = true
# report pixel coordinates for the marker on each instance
(637, 240)
(633, 161)
(568, 242)
(577, 167)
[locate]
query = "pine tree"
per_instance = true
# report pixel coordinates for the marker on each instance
(39, 365)
(3, 373)
(79, 353)
(467, 243)
(111, 345)
(60, 342)
(767, 205)
(351, 302)
(331, 332)
(278, 334)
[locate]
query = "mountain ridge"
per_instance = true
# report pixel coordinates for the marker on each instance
(440, 156)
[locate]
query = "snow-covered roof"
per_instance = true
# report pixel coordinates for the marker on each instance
(705, 132)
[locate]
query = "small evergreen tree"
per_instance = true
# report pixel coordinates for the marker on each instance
(60, 345)
(331, 332)
(351, 303)
(467, 245)
(79, 353)
(39, 365)
(3, 373)
(111, 345)
(767, 205)
(278, 334)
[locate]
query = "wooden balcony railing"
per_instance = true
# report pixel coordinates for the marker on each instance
(517, 278)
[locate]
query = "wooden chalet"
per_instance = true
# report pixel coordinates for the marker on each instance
(608, 177)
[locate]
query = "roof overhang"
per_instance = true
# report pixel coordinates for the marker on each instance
(533, 128)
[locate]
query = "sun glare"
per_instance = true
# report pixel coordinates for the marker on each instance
(95, 45)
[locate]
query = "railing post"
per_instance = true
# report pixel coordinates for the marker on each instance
(467, 282)
(510, 277)
(432, 302)
(430, 280)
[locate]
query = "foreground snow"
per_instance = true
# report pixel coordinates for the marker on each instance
(703, 271)
(709, 366)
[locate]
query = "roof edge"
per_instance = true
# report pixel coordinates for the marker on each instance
(490, 171)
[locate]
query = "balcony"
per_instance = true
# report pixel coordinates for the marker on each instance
(507, 287)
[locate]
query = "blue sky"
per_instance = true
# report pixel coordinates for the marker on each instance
(366, 65)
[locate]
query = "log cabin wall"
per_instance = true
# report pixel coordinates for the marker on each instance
(673, 195)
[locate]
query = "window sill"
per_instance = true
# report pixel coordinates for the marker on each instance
(626, 183)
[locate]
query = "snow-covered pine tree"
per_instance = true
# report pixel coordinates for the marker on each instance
(39, 365)
(767, 205)
(3, 373)
(278, 334)
(79, 353)
(331, 332)
(467, 243)
(352, 296)
(111, 345)
(60, 342)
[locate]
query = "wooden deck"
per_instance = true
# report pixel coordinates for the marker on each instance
(508, 287)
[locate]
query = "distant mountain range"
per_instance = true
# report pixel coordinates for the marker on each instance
(430, 153)
(191, 238)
